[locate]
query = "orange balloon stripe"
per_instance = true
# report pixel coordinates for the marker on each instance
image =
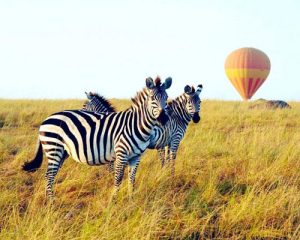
(239, 85)
(244, 87)
(243, 76)
(234, 83)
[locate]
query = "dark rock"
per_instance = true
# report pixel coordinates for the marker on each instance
(269, 104)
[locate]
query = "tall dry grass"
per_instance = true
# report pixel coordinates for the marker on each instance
(237, 177)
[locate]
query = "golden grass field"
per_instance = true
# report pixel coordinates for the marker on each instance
(237, 177)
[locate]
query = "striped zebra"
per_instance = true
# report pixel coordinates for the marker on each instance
(165, 139)
(99, 138)
(181, 111)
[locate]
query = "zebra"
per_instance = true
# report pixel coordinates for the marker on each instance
(99, 138)
(181, 111)
(167, 138)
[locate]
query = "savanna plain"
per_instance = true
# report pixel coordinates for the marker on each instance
(237, 177)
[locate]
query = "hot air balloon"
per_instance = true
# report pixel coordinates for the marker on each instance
(247, 69)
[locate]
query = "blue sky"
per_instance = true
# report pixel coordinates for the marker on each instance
(60, 49)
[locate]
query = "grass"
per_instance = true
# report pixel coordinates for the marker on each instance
(237, 177)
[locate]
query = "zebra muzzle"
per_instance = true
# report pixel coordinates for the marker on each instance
(163, 118)
(196, 117)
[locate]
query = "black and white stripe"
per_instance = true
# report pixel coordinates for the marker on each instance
(166, 139)
(99, 138)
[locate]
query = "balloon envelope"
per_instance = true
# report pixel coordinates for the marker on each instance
(247, 69)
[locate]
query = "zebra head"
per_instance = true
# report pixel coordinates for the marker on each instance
(157, 98)
(97, 103)
(193, 101)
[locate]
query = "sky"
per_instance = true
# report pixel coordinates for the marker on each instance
(60, 49)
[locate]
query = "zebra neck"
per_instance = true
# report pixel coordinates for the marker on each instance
(180, 112)
(143, 121)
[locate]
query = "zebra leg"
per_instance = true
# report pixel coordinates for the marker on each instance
(119, 173)
(161, 154)
(133, 166)
(55, 161)
(167, 149)
(173, 158)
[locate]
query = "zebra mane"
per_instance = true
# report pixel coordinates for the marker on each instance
(170, 107)
(139, 97)
(105, 103)
(173, 103)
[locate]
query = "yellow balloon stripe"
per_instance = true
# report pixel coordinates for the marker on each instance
(247, 73)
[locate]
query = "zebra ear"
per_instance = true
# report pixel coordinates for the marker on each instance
(168, 82)
(188, 90)
(150, 83)
(199, 89)
(88, 95)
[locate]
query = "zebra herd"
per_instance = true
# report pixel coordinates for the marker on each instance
(97, 134)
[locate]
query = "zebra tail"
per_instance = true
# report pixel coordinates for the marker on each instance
(35, 163)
